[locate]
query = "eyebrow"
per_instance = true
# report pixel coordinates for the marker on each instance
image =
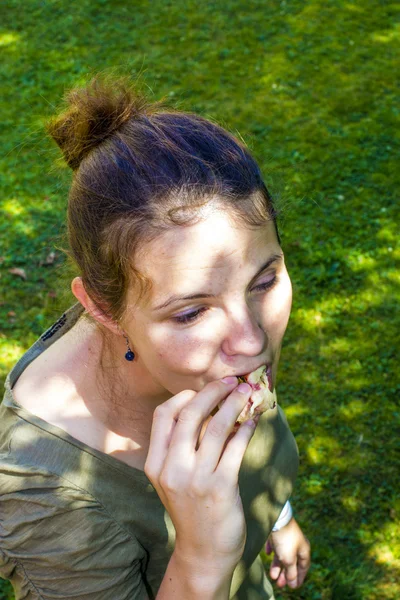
(175, 298)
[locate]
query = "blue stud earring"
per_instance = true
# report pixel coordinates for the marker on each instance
(129, 355)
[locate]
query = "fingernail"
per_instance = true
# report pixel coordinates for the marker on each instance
(229, 380)
(243, 388)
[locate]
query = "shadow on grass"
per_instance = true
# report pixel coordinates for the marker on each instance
(342, 401)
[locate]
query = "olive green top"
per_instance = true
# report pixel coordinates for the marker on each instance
(77, 523)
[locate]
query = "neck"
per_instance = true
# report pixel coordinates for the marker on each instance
(118, 393)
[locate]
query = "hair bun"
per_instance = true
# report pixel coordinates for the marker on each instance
(93, 113)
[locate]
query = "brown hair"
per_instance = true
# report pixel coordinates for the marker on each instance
(139, 168)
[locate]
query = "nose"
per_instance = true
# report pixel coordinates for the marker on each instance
(244, 333)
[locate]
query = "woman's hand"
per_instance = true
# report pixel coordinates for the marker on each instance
(197, 481)
(292, 555)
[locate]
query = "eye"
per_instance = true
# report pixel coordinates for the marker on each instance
(190, 317)
(262, 287)
(195, 315)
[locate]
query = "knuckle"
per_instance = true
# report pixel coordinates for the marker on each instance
(216, 429)
(198, 489)
(305, 551)
(188, 414)
(149, 471)
(289, 564)
(168, 408)
(168, 482)
(160, 412)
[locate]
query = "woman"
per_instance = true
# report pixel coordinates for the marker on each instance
(119, 476)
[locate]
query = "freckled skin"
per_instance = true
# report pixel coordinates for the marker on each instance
(239, 329)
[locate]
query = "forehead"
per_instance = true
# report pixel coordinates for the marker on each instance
(197, 252)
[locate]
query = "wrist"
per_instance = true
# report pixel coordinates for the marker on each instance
(286, 533)
(204, 579)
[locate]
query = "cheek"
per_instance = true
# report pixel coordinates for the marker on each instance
(287, 303)
(277, 311)
(183, 352)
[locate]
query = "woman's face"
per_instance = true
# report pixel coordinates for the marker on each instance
(219, 304)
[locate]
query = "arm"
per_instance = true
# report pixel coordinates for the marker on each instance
(292, 555)
(183, 581)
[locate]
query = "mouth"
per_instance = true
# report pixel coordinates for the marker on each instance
(253, 377)
(263, 395)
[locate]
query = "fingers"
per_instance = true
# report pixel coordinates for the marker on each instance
(220, 427)
(303, 563)
(232, 457)
(164, 422)
(281, 581)
(177, 423)
(283, 575)
(275, 568)
(292, 573)
(289, 575)
(191, 417)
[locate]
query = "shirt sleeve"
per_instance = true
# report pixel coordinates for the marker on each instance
(58, 542)
(284, 518)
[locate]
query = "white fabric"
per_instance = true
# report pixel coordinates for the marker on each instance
(284, 517)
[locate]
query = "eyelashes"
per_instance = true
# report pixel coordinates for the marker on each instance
(196, 314)
(189, 317)
(267, 285)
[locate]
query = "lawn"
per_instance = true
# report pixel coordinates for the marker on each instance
(311, 88)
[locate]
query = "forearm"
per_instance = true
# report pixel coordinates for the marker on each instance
(184, 581)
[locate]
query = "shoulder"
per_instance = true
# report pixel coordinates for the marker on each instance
(41, 374)
(36, 390)
(45, 379)
(49, 387)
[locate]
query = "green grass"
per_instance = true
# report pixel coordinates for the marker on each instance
(311, 88)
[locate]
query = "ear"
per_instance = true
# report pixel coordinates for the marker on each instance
(80, 293)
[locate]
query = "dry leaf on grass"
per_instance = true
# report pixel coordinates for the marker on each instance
(49, 260)
(19, 272)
